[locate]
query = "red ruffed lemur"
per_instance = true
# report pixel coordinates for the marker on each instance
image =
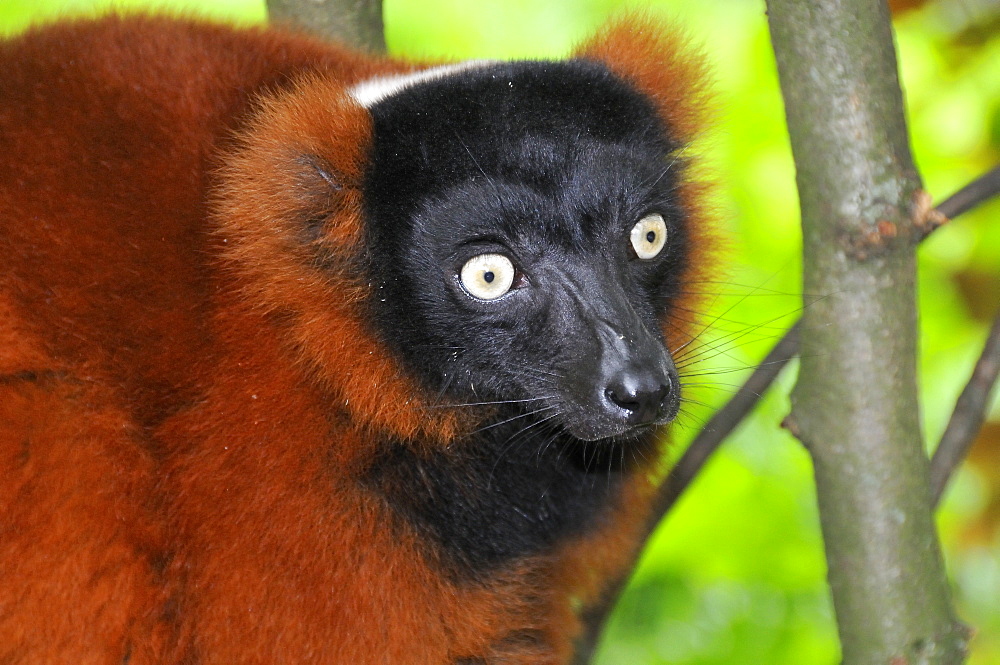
(308, 356)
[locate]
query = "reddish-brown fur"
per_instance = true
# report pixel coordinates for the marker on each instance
(186, 399)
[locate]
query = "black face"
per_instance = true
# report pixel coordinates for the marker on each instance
(526, 241)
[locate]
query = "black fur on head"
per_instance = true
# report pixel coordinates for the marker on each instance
(551, 165)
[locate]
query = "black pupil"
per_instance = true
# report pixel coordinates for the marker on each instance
(650, 237)
(488, 276)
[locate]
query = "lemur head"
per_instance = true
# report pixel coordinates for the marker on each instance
(513, 233)
(525, 239)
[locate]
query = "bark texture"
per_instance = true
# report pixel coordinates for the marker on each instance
(354, 22)
(855, 406)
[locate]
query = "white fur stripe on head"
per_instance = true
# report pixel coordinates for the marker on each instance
(370, 92)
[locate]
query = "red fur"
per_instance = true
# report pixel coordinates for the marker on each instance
(175, 486)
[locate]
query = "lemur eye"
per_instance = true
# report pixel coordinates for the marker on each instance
(649, 236)
(487, 276)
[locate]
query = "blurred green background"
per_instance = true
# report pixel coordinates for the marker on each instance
(736, 575)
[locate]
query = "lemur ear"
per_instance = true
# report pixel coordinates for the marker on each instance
(288, 211)
(301, 159)
(661, 62)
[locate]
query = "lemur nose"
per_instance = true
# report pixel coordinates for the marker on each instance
(641, 393)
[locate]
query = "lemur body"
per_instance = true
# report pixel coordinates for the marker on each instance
(296, 368)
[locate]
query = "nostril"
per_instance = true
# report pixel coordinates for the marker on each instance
(641, 396)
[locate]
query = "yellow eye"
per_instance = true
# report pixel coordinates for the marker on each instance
(649, 236)
(487, 276)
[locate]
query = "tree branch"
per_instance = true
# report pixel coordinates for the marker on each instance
(357, 23)
(722, 424)
(855, 406)
(981, 189)
(968, 416)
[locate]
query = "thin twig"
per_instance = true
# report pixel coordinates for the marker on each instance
(968, 416)
(723, 423)
(982, 188)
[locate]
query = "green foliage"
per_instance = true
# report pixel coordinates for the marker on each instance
(16, 15)
(736, 573)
